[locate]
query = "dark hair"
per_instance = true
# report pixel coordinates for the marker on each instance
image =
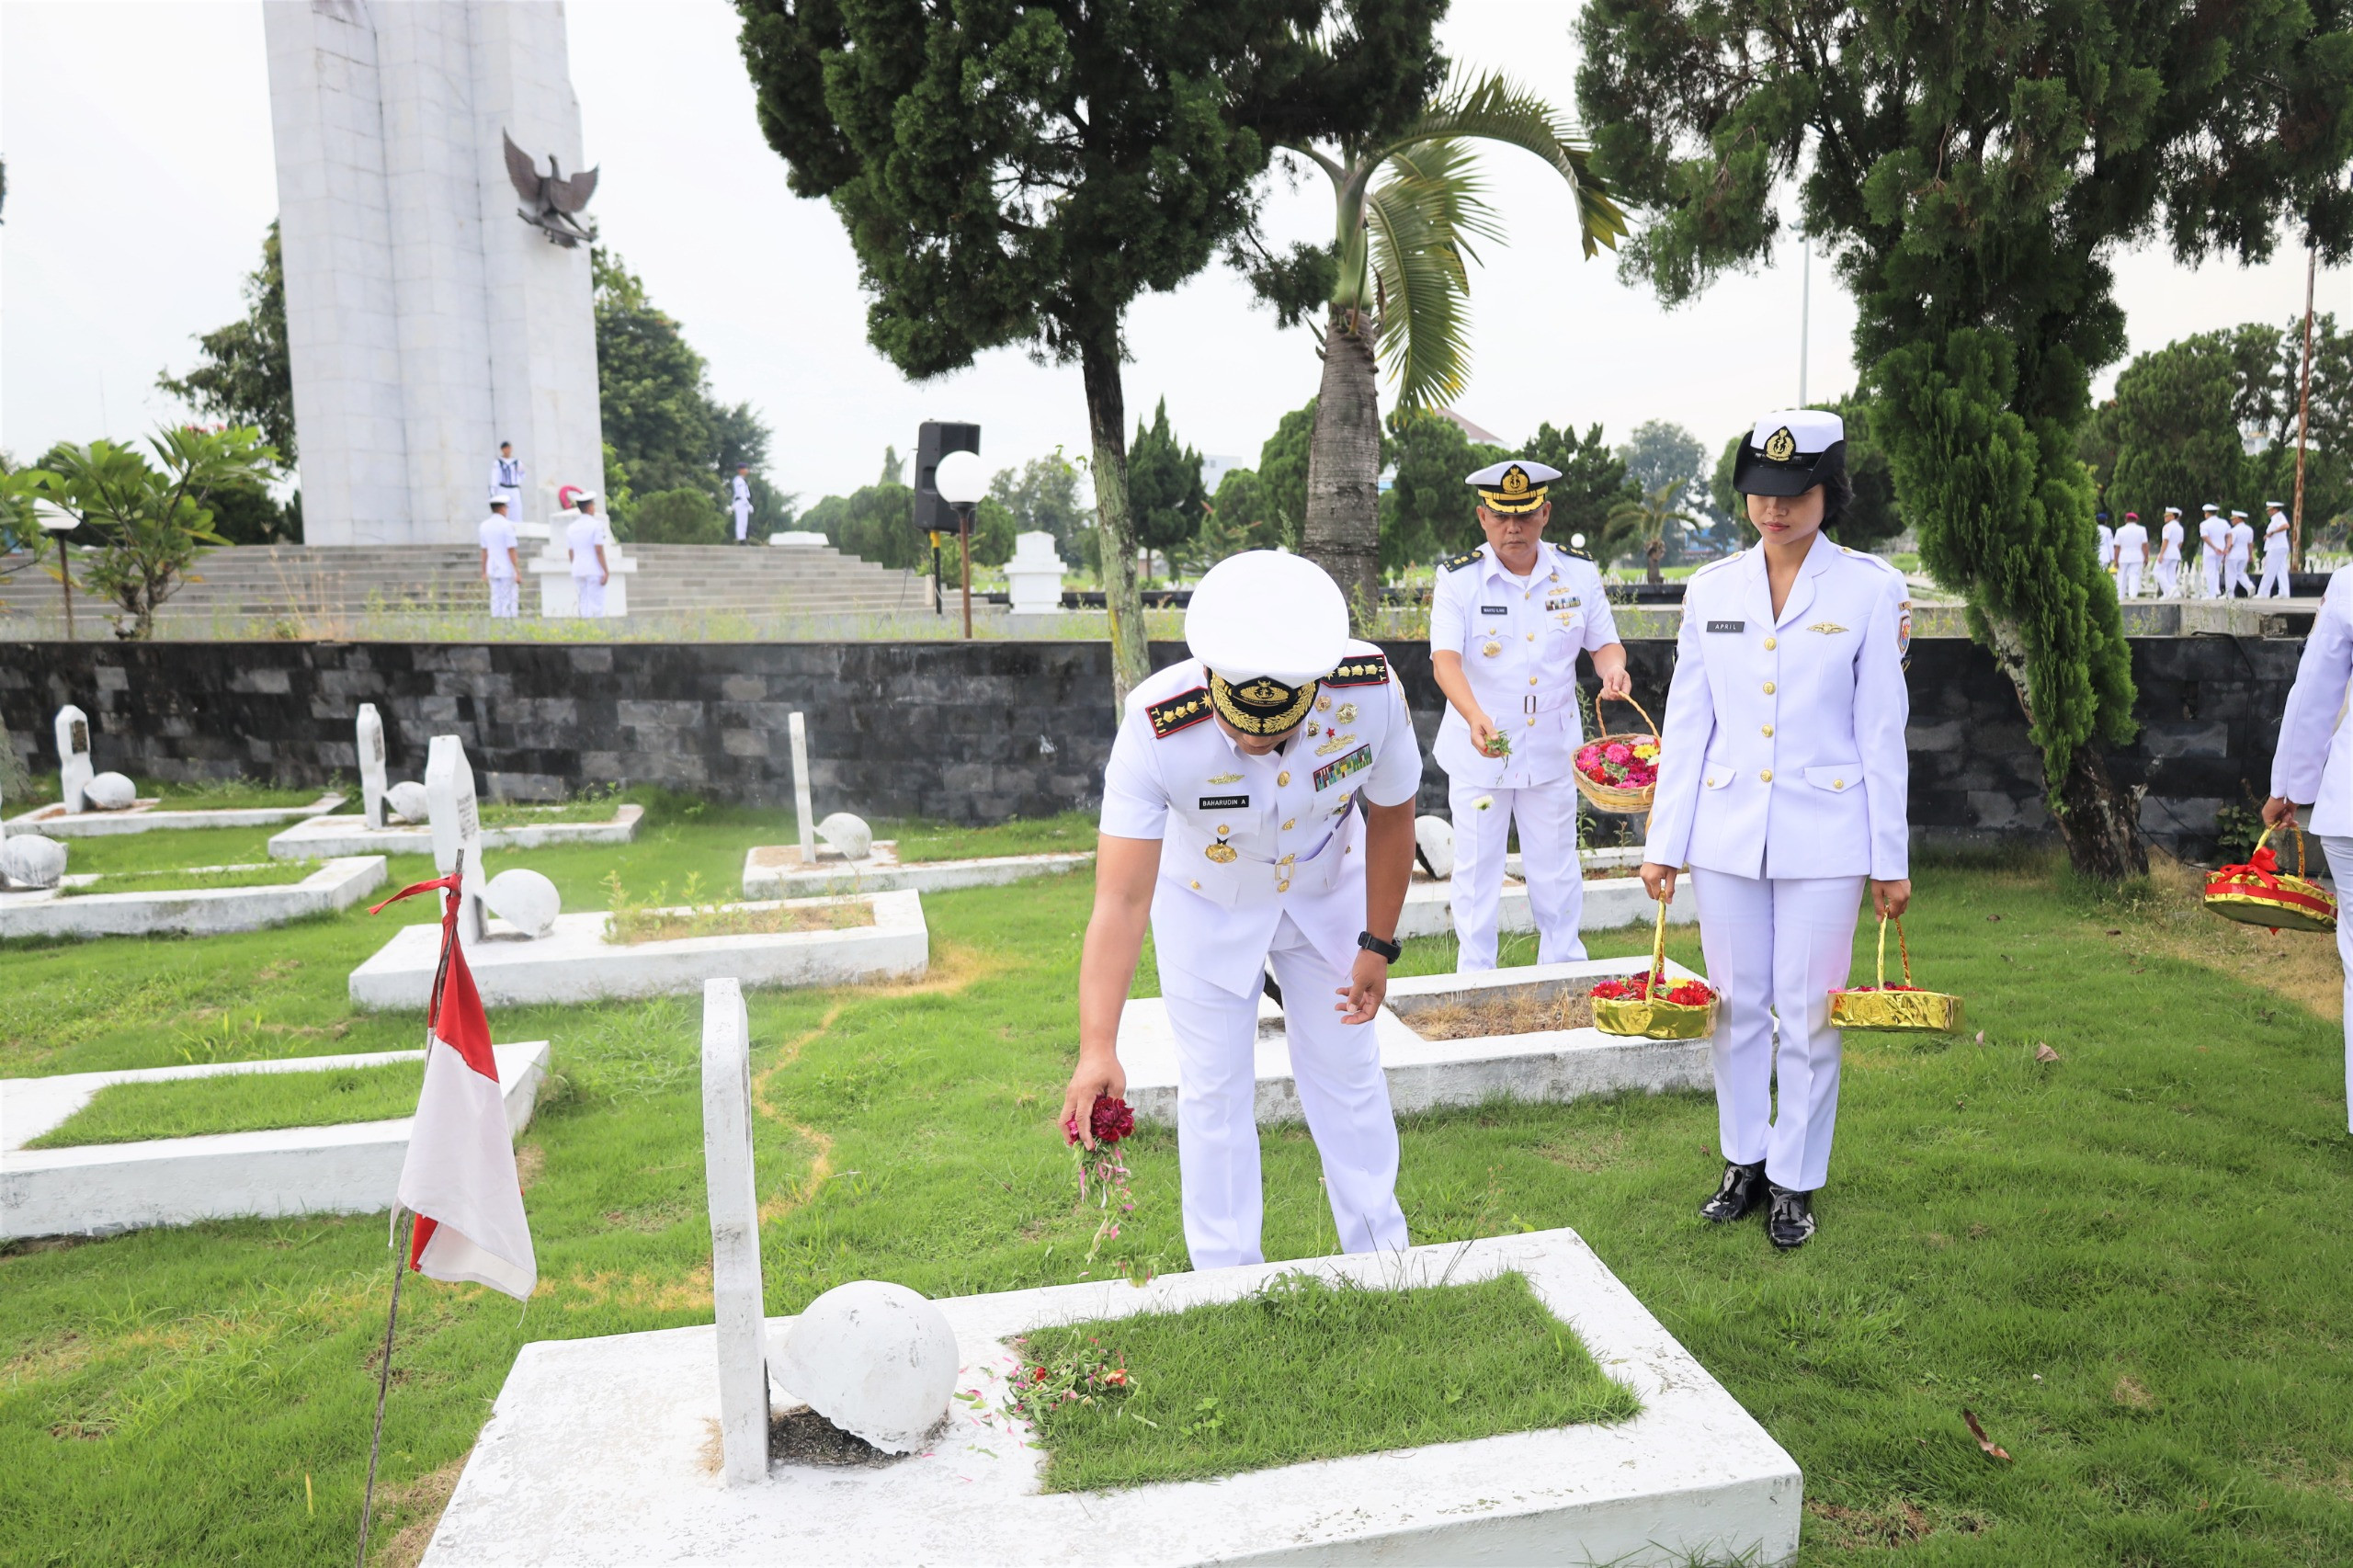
(1838, 490)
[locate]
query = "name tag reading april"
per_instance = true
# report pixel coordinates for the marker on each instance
(1223, 803)
(1727, 625)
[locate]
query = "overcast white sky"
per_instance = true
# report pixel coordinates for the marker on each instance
(139, 176)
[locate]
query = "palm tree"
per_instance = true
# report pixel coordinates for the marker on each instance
(1648, 518)
(1400, 294)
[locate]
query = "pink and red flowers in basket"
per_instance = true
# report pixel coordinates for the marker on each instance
(1619, 764)
(1110, 1121)
(1637, 988)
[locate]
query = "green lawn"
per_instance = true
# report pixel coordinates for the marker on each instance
(920, 841)
(204, 794)
(242, 1102)
(2127, 1262)
(1304, 1370)
(273, 873)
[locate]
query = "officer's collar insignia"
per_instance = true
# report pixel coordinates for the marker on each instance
(1261, 705)
(1457, 563)
(1825, 627)
(1181, 712)
(1365, 669)
(1781, 446)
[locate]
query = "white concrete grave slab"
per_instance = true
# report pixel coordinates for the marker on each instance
(1550, 1065)
(600, 1451)
(777, 871)
(351, 835)
(96, 1188)
(194, 912)
(738, 1315)
(372, 782)
(575, 962)
(456, 822)
(148, 814)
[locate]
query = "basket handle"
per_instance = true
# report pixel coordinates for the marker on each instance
(1903, 947)
(2294, 826)
(1601, 721)
(1658, 951)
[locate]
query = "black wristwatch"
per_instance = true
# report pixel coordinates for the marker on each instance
(1391, 951)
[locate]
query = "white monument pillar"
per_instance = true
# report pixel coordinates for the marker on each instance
(371, 765)
(457, 826)
(800, 790)
(426, 321)
(74, 759)
(735, 1289)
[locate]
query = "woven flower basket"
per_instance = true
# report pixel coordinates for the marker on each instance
(2260, 893)
(1652, 1017)
(1611, 797)
(1905, 1008)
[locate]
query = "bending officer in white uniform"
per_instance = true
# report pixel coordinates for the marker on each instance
(742, 504)
(2313, 763)
(2242, 555)
(1507, 621)
(2169, 554)
(2275, 553)
(1259, 805)
(1781, 784)
(2132, 556)
(501, 562)
(2213, 549)
(585, 538)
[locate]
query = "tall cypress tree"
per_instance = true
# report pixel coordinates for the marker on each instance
(1972, 173)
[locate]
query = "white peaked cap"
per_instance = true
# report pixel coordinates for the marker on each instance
(2277, 506)
(1265, 612)
(1815, 430)
(2172, 511)
(1492, 474)
(2212, 507)
(2239, 514)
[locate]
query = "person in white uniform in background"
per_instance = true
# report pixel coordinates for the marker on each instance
(2213, 549)
(501, 561)
(585, 538)
(1782, 779)
(2132, 556)
(506, 480)
(2242, 556)
(2312, 765)
(2275, 553)
(742, 501)
(1507, 621)
(1254, 839)
(2169, 554)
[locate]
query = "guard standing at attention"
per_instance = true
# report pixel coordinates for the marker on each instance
(506, 480)
(2275, 553)
(1781, 784)
(2213, 548)
(1507, 621)
(502, 563)
(2132, 556)
(1259, 805)
(2234, 568)
(584, 538)
(2169, 554)
(743, 502)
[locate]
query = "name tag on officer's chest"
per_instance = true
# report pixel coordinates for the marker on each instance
(1727, 625)
(1223, 803)
(1494, 609)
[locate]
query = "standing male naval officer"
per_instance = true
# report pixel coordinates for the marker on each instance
(1507, 621)
(1260, 806)
(2213, 549)
(584, 538)
(506, 481)
(742, 501)
(2275, 553)
(2169, 555)
(502, 563)
(2234, 568)
(2132, 550)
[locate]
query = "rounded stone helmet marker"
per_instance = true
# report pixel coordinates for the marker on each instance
(524, 899)
(109, 792)
(30, 860)
(876, 1360)
(846, 835)
(1434, 837)
(407, 800)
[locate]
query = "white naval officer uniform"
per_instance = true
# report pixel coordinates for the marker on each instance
(1518, 639)
(2213, 549)
(2169, 554)
(2312, 765)
(2132, 556)
(1782, 779)
(2235, 569)
(2275, 557)
(507, 484)
(582, 535)
(1262, 862)
(2108, 552)
(742, 507)
(496, 535)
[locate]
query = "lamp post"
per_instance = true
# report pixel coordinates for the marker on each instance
(59, 522)
(961, 483)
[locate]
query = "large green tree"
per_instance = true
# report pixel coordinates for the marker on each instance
(1042, 497)
(1018, 174)
(2176, 441)
(1428, 511)
(1165, 488)
(1586, 497)
(245, 375)
(1973, 174)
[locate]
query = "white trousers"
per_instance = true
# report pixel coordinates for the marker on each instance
(2211, 570)
(2275, 577)
(1547, 815)
(2234, 572)
(743, 521)
(592, 597)
(505, 599)
(2169, 579)
(1341, 1087)
(1777, 946)
(2127, 579)
(2340, 872)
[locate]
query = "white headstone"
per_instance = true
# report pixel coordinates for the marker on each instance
(29, 860)
(801, 789)
(371, 765)
(1434, 837)
(846, 835)
(73, 756)
(407, 800)
(736, 1291)
(876, 1360)
(1034, 575)
(457, 826)
(524, 899)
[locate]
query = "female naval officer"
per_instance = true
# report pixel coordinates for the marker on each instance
(1782, 786)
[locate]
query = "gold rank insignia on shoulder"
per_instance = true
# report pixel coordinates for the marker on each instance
(1457, 563)
(1181, 712)
(1365, 669)
(1825, 627)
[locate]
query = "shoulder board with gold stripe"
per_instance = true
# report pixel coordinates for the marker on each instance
(1457, 563)
(1578, 550)
(1364, 669)
(1181, 712)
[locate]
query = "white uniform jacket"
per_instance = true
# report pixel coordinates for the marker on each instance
(2242, 541)
(2274, 536)
(2214, 536)
(2172, 535)
(1245, 840)
(1783, 750)
(2107, 547)
(2313, 763)
(2132, 545)
(1519, 639)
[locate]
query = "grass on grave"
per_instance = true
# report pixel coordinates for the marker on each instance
(924, 841)
(241, 1102)
(1305, 1370)
(198, 794)
(2120, 1260)
(269, 874)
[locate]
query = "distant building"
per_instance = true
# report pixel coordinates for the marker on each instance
(1476, 433)
(1214, 468)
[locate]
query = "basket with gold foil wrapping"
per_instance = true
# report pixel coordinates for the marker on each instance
(1646, 1007)
(1618, 773)
(1903, 1007)
(2260, 893)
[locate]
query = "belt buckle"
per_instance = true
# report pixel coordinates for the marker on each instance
(1527, 703)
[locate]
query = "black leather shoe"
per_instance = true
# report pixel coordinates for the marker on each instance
(1789, 1222)
(1742, 1194)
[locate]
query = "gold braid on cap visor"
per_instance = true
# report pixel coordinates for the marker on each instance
(1518, 492)
(1262, 706)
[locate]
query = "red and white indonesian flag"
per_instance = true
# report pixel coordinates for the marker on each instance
(459, 1178)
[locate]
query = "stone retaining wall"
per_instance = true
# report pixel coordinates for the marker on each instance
(982, 731)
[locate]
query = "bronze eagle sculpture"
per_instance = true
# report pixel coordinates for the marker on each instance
(554, 203)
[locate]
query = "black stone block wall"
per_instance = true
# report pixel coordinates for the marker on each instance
(979, 731)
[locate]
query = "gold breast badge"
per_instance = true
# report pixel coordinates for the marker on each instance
(1348, 713)
(1221, 852)
(1324, 705)
(1492, 649)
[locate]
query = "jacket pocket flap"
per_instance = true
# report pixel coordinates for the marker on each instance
(1836, 776)
(1715, 773)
